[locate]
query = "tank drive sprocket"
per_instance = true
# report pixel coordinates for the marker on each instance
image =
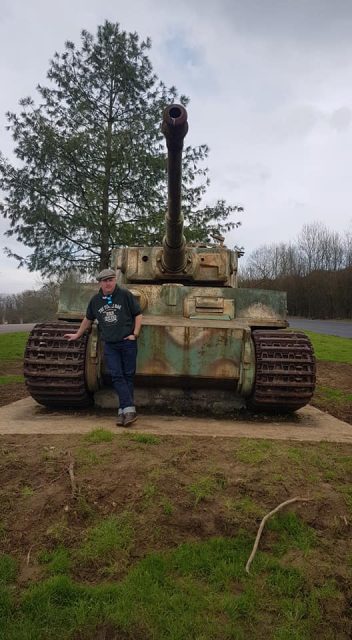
(285, 370)
(54, 368)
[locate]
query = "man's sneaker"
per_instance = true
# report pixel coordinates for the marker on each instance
(129, 417)
(120, 420)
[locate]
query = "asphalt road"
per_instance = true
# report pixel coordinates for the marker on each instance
(341, 328)
(11, 328)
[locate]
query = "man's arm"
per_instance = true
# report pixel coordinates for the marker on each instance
(85, 324)
(137, 327)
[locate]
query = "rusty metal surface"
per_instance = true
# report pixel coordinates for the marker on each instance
(54, 369)
(285, 370)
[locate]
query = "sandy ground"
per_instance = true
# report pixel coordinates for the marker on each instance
(308, 424)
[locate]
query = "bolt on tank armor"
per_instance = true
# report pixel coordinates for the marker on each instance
(205, 344)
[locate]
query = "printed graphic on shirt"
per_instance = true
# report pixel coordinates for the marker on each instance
(109, 313)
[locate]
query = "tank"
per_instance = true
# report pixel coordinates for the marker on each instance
(205, 344)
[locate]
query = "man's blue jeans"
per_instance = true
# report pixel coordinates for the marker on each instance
(121, 360)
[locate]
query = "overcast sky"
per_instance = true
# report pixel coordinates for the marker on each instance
(270, 83)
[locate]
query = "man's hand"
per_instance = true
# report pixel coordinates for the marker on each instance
(131, 337)
(72, 336)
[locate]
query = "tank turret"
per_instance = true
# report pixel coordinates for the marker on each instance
(175, 261)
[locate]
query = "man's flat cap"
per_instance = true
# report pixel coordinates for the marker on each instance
(106, 273)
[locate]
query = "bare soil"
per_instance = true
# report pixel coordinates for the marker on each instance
(162, 484)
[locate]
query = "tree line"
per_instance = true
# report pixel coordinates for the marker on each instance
(315, 270)
(30, 306)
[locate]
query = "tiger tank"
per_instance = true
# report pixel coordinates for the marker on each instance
(205, 345)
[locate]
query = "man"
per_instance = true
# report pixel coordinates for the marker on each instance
(119, 318)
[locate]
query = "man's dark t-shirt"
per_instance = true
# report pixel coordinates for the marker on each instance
(115, 313)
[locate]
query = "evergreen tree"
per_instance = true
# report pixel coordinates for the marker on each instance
(92, 159)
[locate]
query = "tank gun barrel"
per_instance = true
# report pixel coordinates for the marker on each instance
(174, 128)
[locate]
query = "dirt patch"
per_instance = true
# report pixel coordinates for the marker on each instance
(334, 376)
(14, 390)
(178, 488)
(175, 490)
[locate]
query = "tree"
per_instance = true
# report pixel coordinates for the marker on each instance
(92, 160)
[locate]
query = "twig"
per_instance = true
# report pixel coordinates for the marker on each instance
(29, 554)
(261, 526)
(72, 478)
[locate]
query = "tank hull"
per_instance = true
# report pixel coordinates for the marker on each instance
(200, 349)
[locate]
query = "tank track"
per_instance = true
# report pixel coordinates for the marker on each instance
(285, 370)
(54, 369)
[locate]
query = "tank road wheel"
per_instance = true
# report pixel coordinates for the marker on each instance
(54, 369)
(285, 370)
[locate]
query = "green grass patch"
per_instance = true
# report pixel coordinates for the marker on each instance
(198, 590)
(333, 395)
(107, 539)
(11, 379)
(99, 435)
(143, 438)
(254, 451)
(27, 491)
(244, 506)
(86, 457)
(12, 345)
(205, 487)
(167, 507)
(56, 562)
(330, 348)
(8, 569)
(293, 533)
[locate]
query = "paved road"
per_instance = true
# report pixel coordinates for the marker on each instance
(11, 328)
(341, 328)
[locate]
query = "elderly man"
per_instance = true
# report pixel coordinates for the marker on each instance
(119, 318)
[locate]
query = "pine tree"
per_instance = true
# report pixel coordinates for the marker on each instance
(92, 165)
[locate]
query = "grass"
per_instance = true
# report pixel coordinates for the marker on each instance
(331, 348)
(11, 379)
(293, 533)
(333, 395)
(86, 457)
(56, 562)
(8, 569)
(12, 345)
(198, 590)
(107, 539)
(98, 581)
(27, 491)
(253, 451)
(99, 435)
(205, 487)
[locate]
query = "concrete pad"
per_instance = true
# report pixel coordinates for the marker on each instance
(308, 424)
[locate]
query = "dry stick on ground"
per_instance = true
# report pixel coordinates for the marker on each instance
(72, 478)
(29, 554)
(261, 526)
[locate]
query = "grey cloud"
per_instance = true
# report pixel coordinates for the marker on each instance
(309, 21)
(341, 118)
